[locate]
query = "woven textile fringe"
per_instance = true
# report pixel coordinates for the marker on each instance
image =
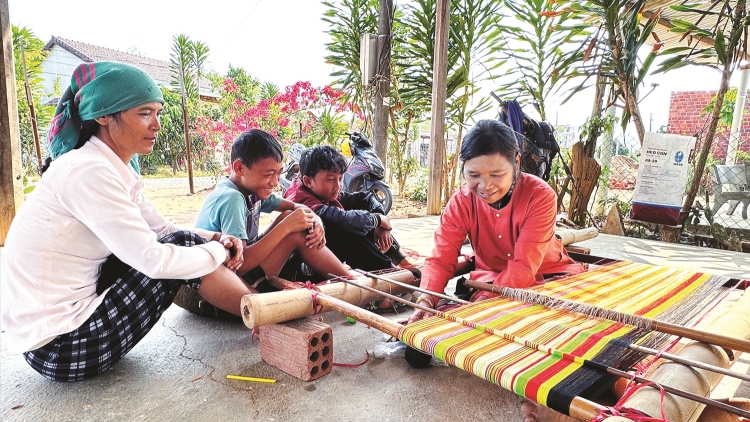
(553, 379)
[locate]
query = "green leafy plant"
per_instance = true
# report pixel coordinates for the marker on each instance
(538, 52)
(34, 54)
(610, 52)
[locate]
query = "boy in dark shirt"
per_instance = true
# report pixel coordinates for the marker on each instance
(357, 230)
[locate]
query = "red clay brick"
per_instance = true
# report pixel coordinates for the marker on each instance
(302, 347)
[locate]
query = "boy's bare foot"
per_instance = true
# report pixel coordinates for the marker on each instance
(384, 304)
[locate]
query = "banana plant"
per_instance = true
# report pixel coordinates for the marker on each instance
(610, 52)
(539, 50)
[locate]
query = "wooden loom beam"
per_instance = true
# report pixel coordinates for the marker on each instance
(286, 305)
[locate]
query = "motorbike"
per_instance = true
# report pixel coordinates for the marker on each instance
(365, 171)
(291, 167)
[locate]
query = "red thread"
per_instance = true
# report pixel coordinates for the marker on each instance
(314, 290)
(353, 365)
(633, 414)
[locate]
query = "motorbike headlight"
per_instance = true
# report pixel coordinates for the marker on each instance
(377, 169)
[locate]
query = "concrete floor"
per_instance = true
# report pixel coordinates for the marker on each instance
(178, 372)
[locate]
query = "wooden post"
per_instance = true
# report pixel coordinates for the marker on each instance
(186, 129)
(383, 81)
(11, 180)
(437, 131)
(30, 101)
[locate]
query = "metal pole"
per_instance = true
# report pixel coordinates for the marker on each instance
(739, 111)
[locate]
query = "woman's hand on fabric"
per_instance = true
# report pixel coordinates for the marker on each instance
(383, 239)
(428, 301)
(234, 248)
(316, 237)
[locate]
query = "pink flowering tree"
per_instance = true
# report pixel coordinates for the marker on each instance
(300, 113)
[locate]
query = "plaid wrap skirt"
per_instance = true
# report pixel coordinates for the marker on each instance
(130, 309)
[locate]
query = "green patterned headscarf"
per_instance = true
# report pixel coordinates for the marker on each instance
(98, 89)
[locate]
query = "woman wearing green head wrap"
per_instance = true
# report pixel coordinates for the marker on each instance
(89, 265)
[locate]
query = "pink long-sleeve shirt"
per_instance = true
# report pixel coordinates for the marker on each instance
(514, 246)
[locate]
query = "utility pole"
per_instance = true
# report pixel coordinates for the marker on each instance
(437, 131)
(11, 180)
(383, 80)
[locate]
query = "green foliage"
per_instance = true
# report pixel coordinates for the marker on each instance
(419, 189)
(329, 130)
(727, 108)
(34, 55)
(182, 65)
(610, 53)
(539, 55)
(348, 20)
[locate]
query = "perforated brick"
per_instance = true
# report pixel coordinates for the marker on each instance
(302, 347)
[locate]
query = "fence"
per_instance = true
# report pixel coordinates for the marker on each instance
(208, 166)
(724, 193)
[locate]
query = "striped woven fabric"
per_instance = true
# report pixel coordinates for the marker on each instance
(537, 352)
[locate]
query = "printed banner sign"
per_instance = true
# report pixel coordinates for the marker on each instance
(662, 177)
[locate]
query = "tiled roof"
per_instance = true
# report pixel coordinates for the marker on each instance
(158, 69)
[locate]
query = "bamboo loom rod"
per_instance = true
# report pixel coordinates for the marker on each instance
(529, 296)
(408, 286)
(632, 346)
(554, 352)
(580, 408)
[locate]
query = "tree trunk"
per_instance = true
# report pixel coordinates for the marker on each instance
(672, 234)
(585, 175)
(383, 81)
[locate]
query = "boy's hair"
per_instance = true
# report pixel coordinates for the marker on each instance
(255, 145)
(321, 158)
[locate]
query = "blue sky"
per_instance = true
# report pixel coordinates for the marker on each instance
(282, 41)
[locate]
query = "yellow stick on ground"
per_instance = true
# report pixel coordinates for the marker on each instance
(241, 378)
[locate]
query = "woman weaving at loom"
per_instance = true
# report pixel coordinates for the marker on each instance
(508, 216)
(84, 276)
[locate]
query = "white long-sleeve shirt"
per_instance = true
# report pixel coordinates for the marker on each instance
(87, 206)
